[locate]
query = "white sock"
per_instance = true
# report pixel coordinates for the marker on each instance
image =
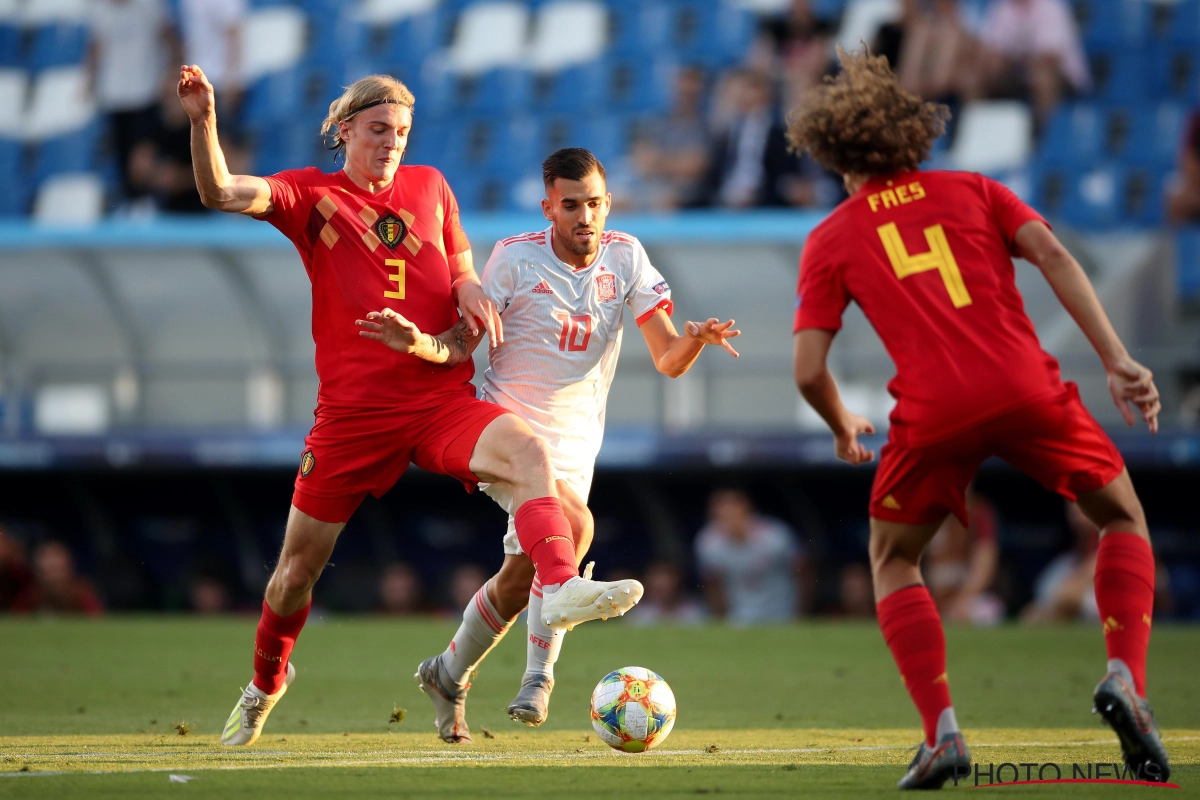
(543, 647)
(482, 627)
(947, 723)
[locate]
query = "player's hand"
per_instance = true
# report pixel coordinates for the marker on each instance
(195, 93)
(475, 306)
(390, 328)
(713, 331)
(846, 444)
(1130, 382)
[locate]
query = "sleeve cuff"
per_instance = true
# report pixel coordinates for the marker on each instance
(806, 318)
(664, 304)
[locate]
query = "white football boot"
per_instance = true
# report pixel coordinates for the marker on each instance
(246, 722)
(581, 599)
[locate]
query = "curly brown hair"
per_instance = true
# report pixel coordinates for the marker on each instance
(862, 123)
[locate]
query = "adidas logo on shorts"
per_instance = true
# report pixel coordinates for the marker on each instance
(543, 288)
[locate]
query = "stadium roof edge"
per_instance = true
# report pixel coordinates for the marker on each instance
(771, 226)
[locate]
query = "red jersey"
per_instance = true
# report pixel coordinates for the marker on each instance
(928, 258)
(366, 251)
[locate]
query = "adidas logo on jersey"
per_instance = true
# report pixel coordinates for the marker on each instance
(543, 288)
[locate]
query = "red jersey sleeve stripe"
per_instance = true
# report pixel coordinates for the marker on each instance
(664, 304)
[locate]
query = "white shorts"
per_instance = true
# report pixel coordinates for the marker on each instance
(580, 483)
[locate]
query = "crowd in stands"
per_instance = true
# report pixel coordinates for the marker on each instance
(685, 100)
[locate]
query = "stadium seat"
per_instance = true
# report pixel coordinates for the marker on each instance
(638, 27)
(490, 34)
(400, 46)
(14, 198)
(388, 12)
(35, 13)
(57, 45)
(69, 152)
(1075, 135)
(1155, 135)
(993, 136)
(640, 84)
(1093, 197)
(498, 90)
(1112, 22)
(60, 103)
(1119, 73)
(1179, 22)
(714, 34)
(1187, 265)
(1141, 201)
(14, 84)
(10, 43)
(566, 33)
(862, 20)
(581, 87)
(273, 40)
(69, 199)
(1175, 71)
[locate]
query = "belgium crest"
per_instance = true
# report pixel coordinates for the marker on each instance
(307, 462)
(390, 230)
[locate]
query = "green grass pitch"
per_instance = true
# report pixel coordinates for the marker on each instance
(89, 709)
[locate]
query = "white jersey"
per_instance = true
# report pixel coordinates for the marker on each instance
(562, 336)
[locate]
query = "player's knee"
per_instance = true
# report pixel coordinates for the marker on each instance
(884, 550)
(296, 575)
(530, 458)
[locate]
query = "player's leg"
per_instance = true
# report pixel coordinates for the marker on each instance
(913, 492)
(307, 545)
(543, 644)
(507, 451)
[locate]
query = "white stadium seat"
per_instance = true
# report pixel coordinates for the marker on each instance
(13, 85)
(568, 32)
(46, 12)
(74, 199)
(489, 35)
(10, 11)
(272, 40)
(862, 20)
(993, 135)
(60, 103)
(386, 12)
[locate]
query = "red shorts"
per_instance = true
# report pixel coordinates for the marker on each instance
(1056, 442)
(351, 452)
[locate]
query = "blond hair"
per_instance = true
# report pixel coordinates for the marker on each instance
(372, 90)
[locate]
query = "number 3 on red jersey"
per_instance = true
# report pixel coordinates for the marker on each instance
(576, 331)
(939, 257)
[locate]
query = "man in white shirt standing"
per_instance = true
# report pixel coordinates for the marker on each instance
(560, 293)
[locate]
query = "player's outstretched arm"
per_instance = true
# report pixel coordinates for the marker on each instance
(1128, 381)
(674, 353)
(473, 304)
(450, 348)
(816, 384)
(239, 194)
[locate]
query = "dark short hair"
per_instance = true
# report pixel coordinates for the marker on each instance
(572, 163)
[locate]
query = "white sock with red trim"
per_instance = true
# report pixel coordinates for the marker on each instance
(482, 627)
(544, 645)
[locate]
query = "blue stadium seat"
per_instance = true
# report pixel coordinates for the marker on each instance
(1187, 264)
(572, 89)
(72, 152)
(1179, 22)
(57, 46)
(10, 45)
(14, 200)
(1120, 73)
(1093, 196)
(708, 33)
(1155, 135)
(640, 84)
(638, 27)
(498, 90)
(1141, 187)
(1175, 71)
(1075, 135)
(1111, 22)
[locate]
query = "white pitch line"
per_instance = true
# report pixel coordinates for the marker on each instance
(483, 759)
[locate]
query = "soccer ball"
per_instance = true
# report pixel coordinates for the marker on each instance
(633, 709)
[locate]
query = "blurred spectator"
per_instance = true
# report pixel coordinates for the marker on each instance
(960, 565)
(208, 594)
(464, 583)
(1183, 195)
(57, 587)
(1064, 591)
(15, 578)
(931, 49)
(665, 601)
(794, 47)
(670, 156)
(212, 39)
(856, 594)
(749, 563)
(750, 163)
(400, 590)
(1031, 48)
(132, 43)
(160, 165)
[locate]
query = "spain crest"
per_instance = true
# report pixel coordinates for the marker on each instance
(307, 462)
(391, 231)
(606, 286)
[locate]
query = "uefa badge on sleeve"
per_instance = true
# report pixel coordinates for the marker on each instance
(606, 286)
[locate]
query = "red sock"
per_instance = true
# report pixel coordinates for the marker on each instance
(913, 632)
(1125, 597)
(273, 645)
(545, 536)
